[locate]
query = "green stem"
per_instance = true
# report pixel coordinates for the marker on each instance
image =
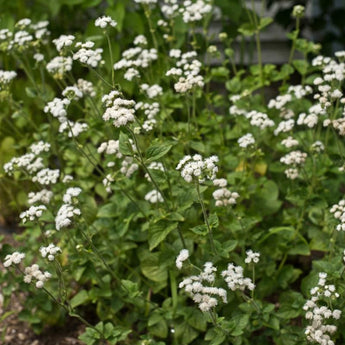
(205, 217)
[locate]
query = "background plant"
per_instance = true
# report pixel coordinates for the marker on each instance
(160, 209)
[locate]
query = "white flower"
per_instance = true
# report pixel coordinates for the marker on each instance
(63, 41)
(47, 176)
(59, 65)
(32, 213)
(251, 257)
(103, 22)
(183, 256)
(154, 197)
(43, 196)
(197, 167)
(64, 215)
(235, 280)
(33, 272)
(71, 194)
(14, 258)
(50, 251)
(246, 140)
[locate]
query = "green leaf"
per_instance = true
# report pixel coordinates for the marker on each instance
(185, 333)
(80, 298)
(152, 268)
(130, 288)
(215, 336)
(301, 66)
(265, 21)
(200, 230)
(124, 145)
(213, 221)
(247, 29)
(157, 151)
(159, 231)
(107, 211)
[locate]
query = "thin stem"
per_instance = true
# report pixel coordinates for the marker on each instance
(111, 60)
(205, 217)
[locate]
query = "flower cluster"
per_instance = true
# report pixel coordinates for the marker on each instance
(34, 212)
(154, 196)
(223, 196)
(88, 56)
(233, 276)
(318, 331)
(201, 294)
(195, 167)
(67, 211)
(34, 272)
(187, 69)
(14, 258)
(135, 58)
(120, 111)
(338, 211)
(50, 251)
(183, 256)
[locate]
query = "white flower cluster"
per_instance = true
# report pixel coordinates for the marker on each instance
(135, 58)
(29, 162)
(318, 146)
(14, 258)
(223, 196)
(34, 212)
(152, 91)
(88, 56)
(72, 92)
(70, 194)
(233, 276)
(252, 257)
(193, 11)
(183, 256)
(42, 196)
(201, 294)
(150, 111)
(50, 251)
(63, 41)
(154, 197)
(318, 331)
(290, 142)
(59, 65)
(128, 168)
(64, 215)
(197, 167)
(338, 211)
(300, 91)
(279, 102)
(246, 140)
(120, 111)
(73, 128)
(39, 147)
(47, 176)
(187, 69)
(86, 87)
(337, 124)
(294, 158)
(284, 126)
(111, 147)
(259, 119)
(6, 77)
(104, 22)
(58, 108)
(68, 210)
(34, 272)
